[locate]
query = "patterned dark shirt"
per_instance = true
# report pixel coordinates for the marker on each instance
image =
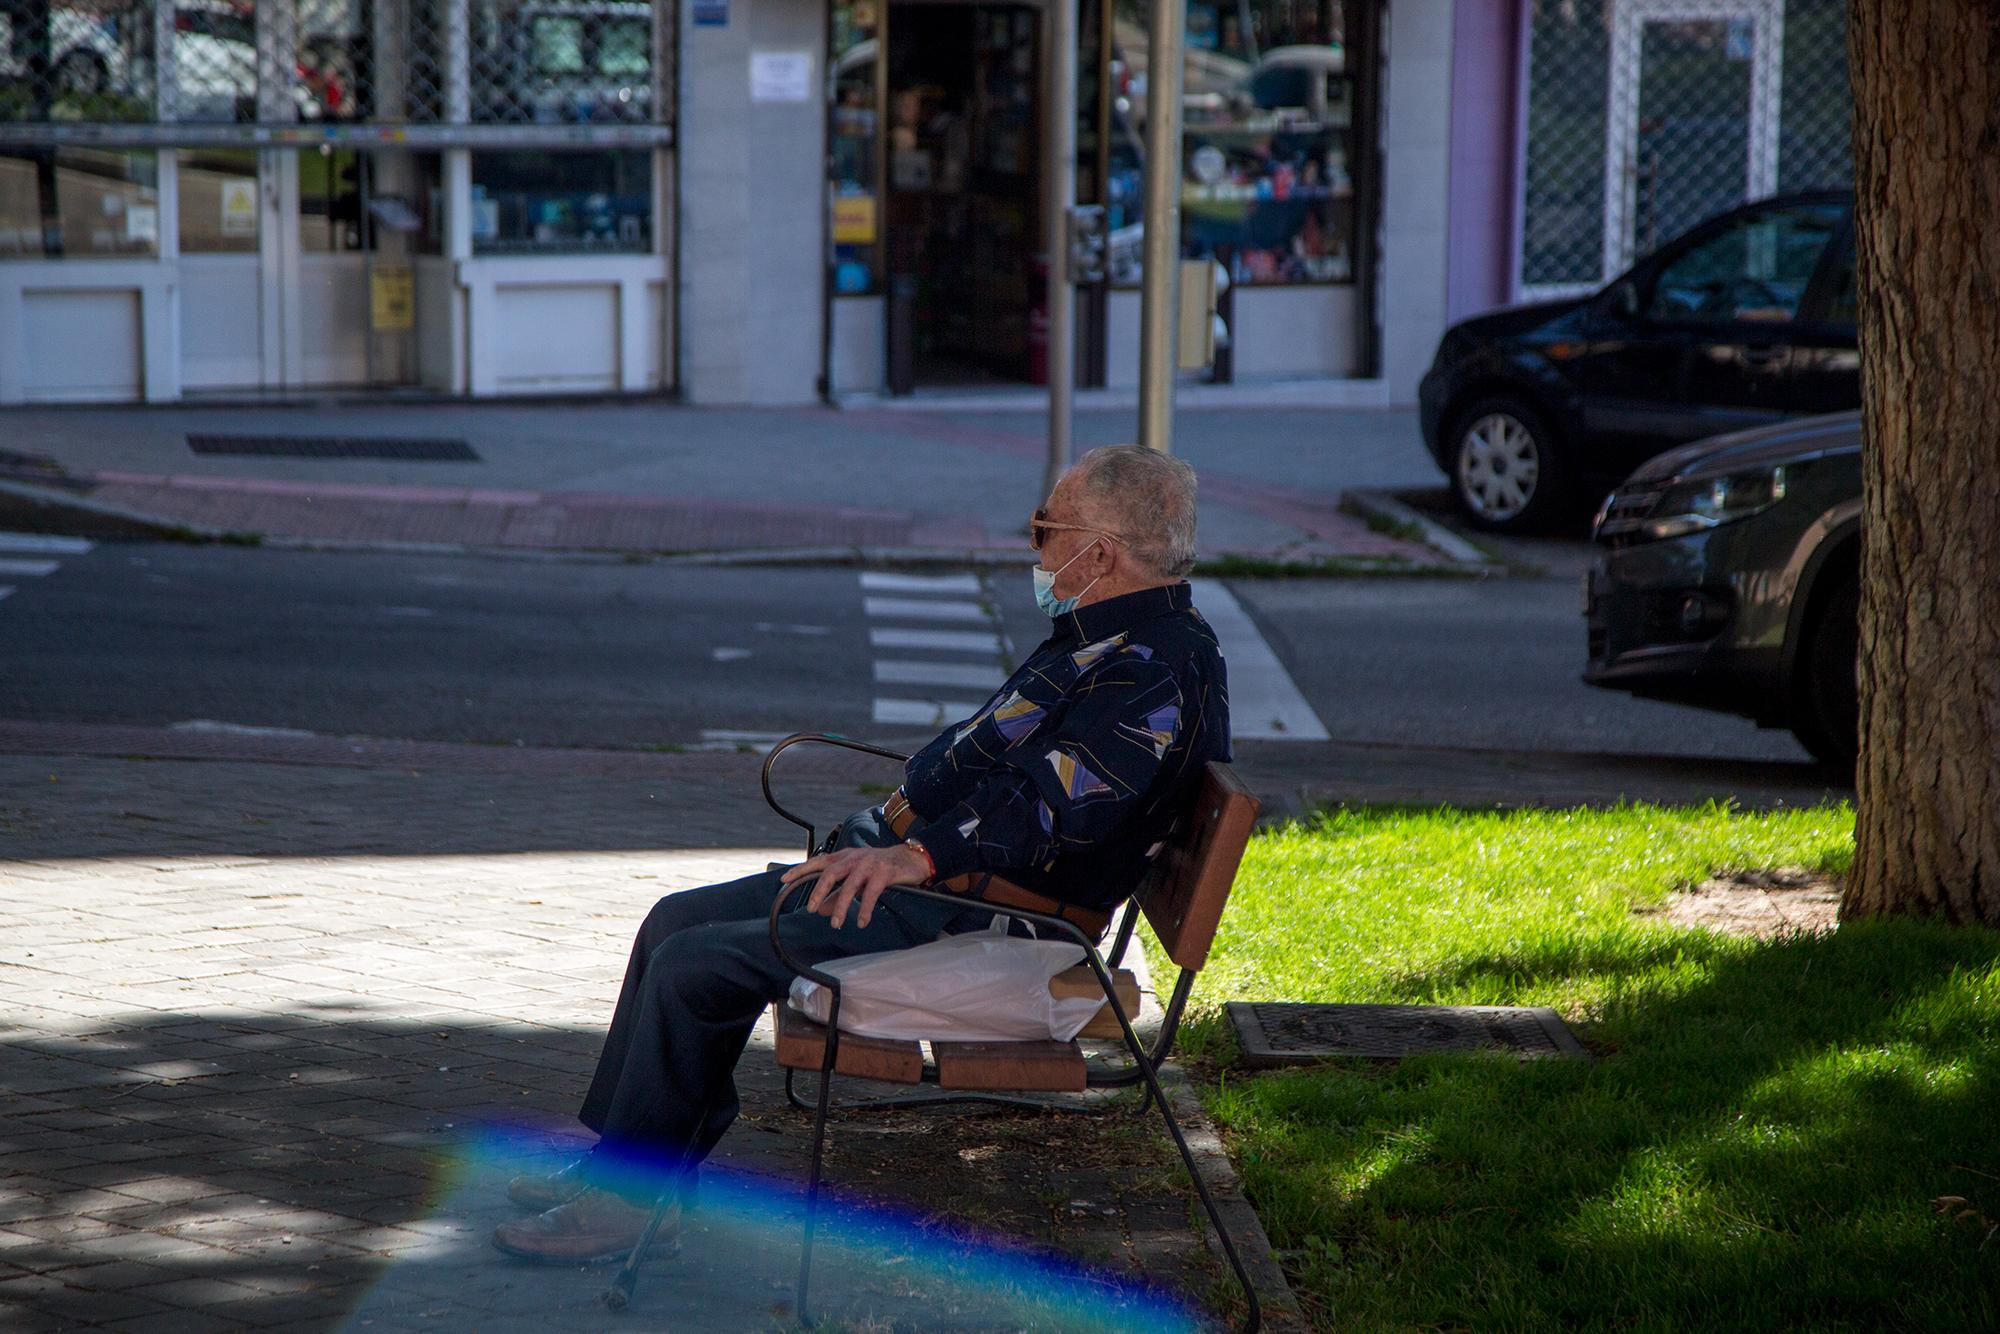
(1066, 781)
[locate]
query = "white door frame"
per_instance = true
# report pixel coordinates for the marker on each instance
(1621, 130)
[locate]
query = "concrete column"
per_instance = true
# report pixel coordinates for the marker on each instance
(1416, 174)
(751, 194)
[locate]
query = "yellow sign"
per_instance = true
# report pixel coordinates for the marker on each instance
(854, 220)
(392, 299)
(239, 207)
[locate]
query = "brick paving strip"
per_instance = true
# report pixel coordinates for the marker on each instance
(1293, 527)
(277, 1019)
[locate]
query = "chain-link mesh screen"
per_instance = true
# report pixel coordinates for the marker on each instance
(78, 61)
(1645, 117)
(562, 61)
(236, 62)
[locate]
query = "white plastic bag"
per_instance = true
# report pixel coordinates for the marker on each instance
(981, 986)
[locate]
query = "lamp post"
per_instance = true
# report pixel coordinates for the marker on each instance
(1160, 275)
(1060, 172)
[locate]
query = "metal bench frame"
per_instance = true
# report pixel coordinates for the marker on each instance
(1143, 1070)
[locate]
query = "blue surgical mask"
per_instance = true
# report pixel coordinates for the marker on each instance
(1045, 587)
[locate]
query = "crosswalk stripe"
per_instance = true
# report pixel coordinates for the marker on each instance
(975, 675)
(44, 544)
(1264, 704)
(952, 641)
(877, 581)
(922, 712)
(29, 569)
(920, 609)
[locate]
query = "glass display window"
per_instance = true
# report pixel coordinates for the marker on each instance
(79, 203)
(562, 203)
(77, 62)
(854, 148)
(548, 62)
(219, 207)
(1269, 141)
(356, 200)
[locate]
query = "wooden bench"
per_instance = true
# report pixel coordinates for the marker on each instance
(1182, 899)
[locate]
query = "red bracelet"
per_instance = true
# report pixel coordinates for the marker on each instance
(929, 862)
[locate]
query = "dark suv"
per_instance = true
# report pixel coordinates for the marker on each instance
(1729, 578)
(1746, 320)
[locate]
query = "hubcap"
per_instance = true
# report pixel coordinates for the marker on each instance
(1498, 466)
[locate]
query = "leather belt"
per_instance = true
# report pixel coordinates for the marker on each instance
(897, 814)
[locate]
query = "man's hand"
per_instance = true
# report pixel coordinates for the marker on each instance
(857, 873)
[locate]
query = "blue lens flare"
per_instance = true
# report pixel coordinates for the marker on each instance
(734, 1263)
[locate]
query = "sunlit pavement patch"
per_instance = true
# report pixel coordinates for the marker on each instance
(735, 1266)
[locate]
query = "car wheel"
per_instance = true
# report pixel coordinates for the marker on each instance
(1505, 470)
(81, 72)
(1826, 704)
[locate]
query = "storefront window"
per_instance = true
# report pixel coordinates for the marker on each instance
(1269, 145)
(215, 62)
(547, 62)
(856, 223)
(358, 199)
(77, 62)
(335, 75)
(219, 208)
(536, 203)
(78, 203)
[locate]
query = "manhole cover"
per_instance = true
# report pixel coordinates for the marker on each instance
(1288, 1033)
(336, 447)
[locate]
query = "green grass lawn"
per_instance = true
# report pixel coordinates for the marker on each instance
(1756, 1146)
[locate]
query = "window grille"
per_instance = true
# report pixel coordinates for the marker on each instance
(1646, 116)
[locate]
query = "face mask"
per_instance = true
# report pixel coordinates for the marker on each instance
(1045, 587)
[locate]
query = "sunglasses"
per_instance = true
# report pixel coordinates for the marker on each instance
(1041, 525)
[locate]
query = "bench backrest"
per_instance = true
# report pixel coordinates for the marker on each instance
(1184, 897)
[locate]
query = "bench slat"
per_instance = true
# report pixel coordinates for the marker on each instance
(1021, 1067)
(802, 1046)
(1080, 981)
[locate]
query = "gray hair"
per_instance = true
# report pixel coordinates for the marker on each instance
(1148, 498)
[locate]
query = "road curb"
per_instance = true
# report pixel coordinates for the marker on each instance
(40, 509)
(1383, 506)
(1278, 1304)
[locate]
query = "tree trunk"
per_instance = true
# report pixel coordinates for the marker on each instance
(1927, 227)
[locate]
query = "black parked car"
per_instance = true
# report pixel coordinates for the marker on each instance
(1729, 578)
(1746, 320)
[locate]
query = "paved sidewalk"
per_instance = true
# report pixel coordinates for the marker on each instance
(653, 477)
(275, 1030)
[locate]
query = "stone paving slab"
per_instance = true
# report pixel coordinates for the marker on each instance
(273, 1049)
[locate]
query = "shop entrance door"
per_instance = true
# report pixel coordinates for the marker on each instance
(964, 198)
(296, 268)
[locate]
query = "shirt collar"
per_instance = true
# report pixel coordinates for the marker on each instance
(1102, 620)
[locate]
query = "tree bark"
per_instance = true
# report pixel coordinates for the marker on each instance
(1927, 228)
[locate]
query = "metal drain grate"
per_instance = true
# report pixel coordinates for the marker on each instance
(336, 447)
(1288, 1033)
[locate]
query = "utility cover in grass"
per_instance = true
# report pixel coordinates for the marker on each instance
(1288, 1033)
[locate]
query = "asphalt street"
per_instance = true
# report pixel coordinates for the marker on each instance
(617, 654)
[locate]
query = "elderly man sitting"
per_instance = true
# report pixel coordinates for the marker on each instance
(1053, 796)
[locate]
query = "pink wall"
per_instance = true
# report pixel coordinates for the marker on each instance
(1486, 41)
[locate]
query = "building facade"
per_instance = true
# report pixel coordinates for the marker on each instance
(778, 201)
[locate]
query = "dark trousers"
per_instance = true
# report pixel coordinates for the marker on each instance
(701, 972)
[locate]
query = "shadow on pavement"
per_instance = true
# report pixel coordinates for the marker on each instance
(336, 1171)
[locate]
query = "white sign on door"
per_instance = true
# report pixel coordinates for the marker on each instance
(781, 76)
(239, 208)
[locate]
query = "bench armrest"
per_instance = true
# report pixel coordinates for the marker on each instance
(821, 738)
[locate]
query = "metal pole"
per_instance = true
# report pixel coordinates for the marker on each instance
(1160, 296)
(1059, 169)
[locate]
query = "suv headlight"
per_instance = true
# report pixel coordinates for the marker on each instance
(1692, 507)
